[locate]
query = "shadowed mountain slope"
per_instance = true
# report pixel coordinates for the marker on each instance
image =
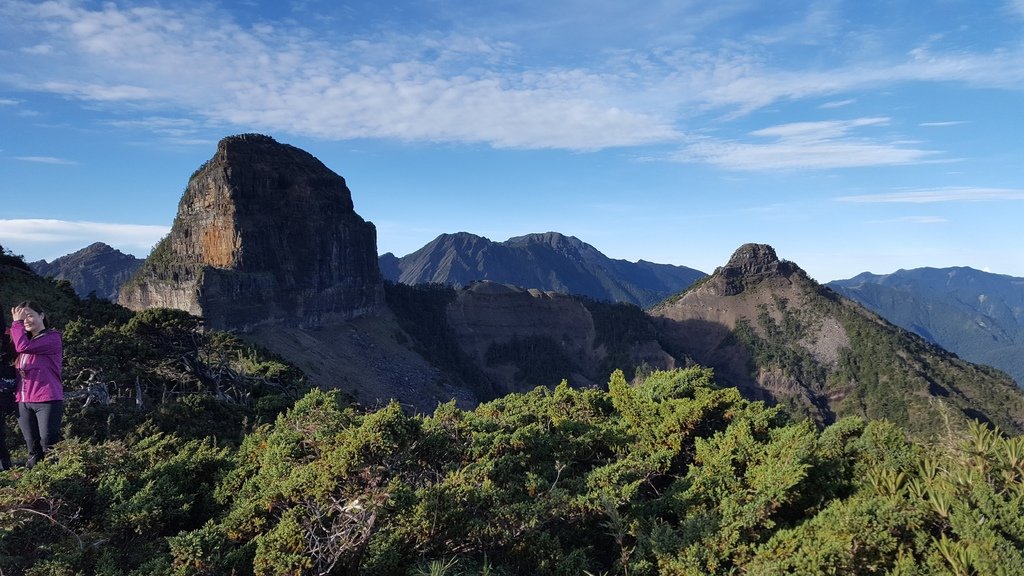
(977, 315)
(548, 261)
(97, 268)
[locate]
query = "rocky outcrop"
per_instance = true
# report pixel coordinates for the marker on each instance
(769, 329)
(265, 234)
(749, 265)
(96, 269)
(487, 314)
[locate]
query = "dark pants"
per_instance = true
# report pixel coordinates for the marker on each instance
(40, 425)
(7, 407)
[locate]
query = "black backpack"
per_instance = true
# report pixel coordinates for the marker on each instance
(7, 375)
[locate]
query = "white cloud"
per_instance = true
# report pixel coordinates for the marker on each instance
(38, 49)
(175, 128)
(45, 160)
(96, 92)
(950, 194)
(457, 86)
(912, 220)
(942, 124)
(1017, 7)
(837, 104)
(806, 145)
(433, 87)
(59, 237)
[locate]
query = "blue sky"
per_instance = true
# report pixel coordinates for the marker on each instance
(850, 135)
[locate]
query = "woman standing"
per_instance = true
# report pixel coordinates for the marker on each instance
(40, 394)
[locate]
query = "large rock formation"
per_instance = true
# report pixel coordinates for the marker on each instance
(96, 269)
(769, 329)
(265, 234)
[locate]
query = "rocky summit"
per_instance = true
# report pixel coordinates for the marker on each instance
(96, 269)
(772, 331)
(265, 234)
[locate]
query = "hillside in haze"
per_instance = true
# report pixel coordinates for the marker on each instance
(97, 268)
(548, 261)
(978, 315)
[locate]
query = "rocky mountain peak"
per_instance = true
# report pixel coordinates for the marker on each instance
(776, 334)
(96, 269)
(265, 234)
(751, 264)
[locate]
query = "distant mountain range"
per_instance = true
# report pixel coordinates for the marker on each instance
(96, 269)
(978, 315)
(548, 261)
(761, 323)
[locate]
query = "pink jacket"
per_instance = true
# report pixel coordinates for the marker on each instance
(38, 365)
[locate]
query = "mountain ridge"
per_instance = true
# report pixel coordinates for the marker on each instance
(96, 269)
(766, 327)
(979, 315)
(547, 261)
(267, 243)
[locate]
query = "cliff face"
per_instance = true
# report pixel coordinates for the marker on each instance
(265, 234)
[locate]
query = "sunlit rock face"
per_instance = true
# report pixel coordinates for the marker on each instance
(265, 234)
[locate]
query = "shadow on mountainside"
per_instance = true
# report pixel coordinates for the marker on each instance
(714, 345)
(364, 358)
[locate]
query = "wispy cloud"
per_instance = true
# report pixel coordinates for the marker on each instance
(46, 160)
(38, 49)
(950, 194)
(837, 104)
(134, 238)
(806, 145)
(1017, 7)
(8, 102)
(283, 79)
(942, 124)
(912, 220)
(462, 84)
(97, 92)
(182, 131)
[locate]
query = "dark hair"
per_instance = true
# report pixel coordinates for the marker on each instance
(34, 306)
(31, 304)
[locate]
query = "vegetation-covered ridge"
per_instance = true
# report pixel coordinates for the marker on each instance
(671, 476)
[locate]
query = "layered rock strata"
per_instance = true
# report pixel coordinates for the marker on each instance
(265, 234)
